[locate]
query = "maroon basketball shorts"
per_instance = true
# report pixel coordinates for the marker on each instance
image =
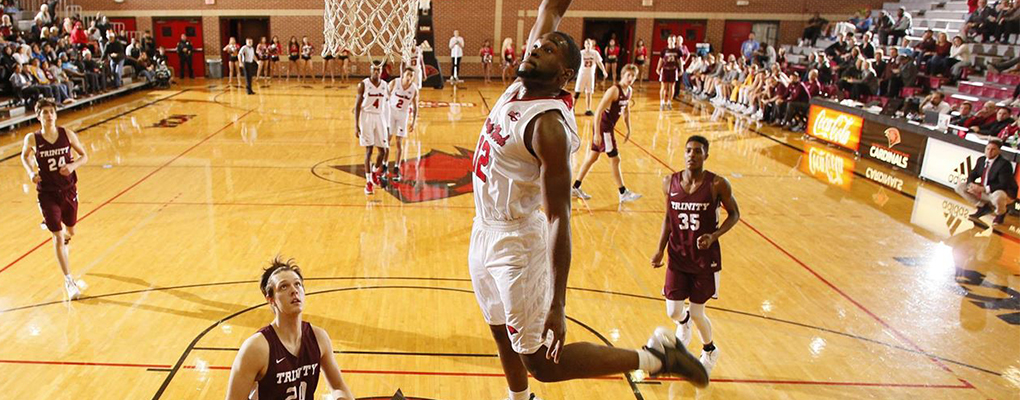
(668, 76)
(59, 207)
(608, 144)
(696, 287)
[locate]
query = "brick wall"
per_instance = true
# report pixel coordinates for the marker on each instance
(476, 19)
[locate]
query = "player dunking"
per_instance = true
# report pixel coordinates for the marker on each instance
(283, 359)
(691, 229)
(369, 123)
(590, 58)
(403, 101)
(519, 257)
(668, 70)
(50, 151)
(615, 103)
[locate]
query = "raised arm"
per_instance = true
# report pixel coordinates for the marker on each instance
(251, 361)
(551, 146)
(338, 388)
(549, 14)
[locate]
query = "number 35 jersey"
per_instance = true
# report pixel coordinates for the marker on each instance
(690, 216)
(506, 174)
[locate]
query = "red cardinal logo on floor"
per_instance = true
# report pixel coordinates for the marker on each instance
(433, 176)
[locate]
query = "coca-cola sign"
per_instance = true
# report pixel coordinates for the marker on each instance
(835, 127)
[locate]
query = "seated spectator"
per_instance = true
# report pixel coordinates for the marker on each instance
(60, 92)
(1002, 119)
(7, 30)
(867, 45)
(883, 26)
(839, 48)
(75, 74)
(960, 57)
(902, 27)
(981, 22)
(25, 88)
(925, 49)
(79, 38)
(904, 74)
(56, 75)
(986, 115)
(1009, 22)
(998, 186)
(934, 102)
(23, 55)
(965, 111)
(939, 62)
(814, 29)
(864, 21)
(862, 82)
(43, 16)
(796, 103)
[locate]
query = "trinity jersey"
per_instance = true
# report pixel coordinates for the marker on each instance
(506, 174)
(690, 216)
(374, 97)
(612, 114)
(290, 376)
(670, 59)
(50, 157)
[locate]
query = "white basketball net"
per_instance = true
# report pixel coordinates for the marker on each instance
(367, 27)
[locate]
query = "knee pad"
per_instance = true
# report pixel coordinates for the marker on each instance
(613, 154)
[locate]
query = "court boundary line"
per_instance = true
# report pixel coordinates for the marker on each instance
(580, 289)
(842, 294)
(192, 345)
(132, 186)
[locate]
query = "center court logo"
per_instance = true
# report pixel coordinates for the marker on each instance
(433, 176)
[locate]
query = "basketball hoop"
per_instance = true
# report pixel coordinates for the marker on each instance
(366, 27)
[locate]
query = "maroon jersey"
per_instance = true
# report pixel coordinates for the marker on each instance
(690, 216)
(50, 157)
(670, 60)
(615, 110)
(289, 376)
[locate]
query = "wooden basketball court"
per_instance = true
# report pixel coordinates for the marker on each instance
(839, 290)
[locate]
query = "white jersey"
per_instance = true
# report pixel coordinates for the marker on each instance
(589, 61)
(415, 61)
(400, 98)
(506, 186)
(374, 97)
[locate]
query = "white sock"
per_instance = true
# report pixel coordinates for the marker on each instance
(368, 177)
(68, 278)
(522, 395)
(648, 362)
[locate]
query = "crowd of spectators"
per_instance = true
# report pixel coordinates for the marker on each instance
(64, 60)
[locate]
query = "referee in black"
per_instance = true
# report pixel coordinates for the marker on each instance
(247, 58)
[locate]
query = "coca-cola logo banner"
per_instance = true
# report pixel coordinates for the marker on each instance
(835, 127)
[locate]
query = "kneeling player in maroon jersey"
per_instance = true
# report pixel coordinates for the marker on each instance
(283, 360)
(692, 230)
(50, 150)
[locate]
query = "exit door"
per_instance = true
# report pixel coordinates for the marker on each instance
(168, 32)
(693, 33)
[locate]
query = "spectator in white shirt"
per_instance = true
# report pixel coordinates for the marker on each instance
(935, 102)
(456, 53)
(246, 56)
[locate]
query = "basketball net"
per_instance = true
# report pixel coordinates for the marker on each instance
(370, 27)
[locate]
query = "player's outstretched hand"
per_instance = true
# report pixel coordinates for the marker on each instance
(704, 241)
(555, 325)
(657, 260)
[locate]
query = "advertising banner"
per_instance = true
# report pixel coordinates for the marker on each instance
(893, 147)
(835, 127)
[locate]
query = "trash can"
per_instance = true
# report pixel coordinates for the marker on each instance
(213, 68)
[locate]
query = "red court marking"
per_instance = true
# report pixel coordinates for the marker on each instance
(860, 306)
(499, 375)
(122, 192)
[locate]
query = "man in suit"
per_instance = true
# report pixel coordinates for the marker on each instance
(998, 187)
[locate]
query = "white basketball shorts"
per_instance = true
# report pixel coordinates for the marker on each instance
(585, 82)
(373, 131)
(397, 123)
(511, 276)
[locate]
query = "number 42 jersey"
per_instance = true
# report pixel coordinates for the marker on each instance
(506, 174)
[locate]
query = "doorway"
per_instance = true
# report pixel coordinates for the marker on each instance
(241, 29)
(604, 29)
(168, 32)
(736, 32)
(693, 33)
